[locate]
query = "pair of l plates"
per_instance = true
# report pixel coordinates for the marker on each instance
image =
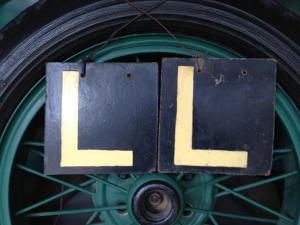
(133, 118)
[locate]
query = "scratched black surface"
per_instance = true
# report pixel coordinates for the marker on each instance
(118, 109)
(233, 109)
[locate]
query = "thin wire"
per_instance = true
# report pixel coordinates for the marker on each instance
(193, 53)
(198, 58)
(124, 26)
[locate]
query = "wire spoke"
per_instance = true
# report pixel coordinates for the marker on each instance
(211, 182)
(54, 179)
(252, 202)
(259, 183)
(91, 219)
(179, 176)
(132, 176)
(282, 150)
(52, 198)
(36, 152)
(234, 216)
(34, 144)
(101, 180)
(213, 220)
(76, 211)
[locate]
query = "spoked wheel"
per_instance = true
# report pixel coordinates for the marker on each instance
(30, 197)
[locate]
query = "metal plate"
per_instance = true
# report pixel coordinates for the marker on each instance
(112, 110)
(219, 119)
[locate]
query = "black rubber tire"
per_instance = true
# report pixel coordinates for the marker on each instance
(58, 30)
(272, 12)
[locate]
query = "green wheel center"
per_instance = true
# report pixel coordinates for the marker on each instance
(155, 198)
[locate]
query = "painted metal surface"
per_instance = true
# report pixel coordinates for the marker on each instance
(105, 121)
(9, 9)
(223, 117)
(219, 119)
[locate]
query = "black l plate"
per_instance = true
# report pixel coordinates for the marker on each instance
(103, 122)
(219, 119)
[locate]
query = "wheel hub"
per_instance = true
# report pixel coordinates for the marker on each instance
(155, 199)
(156, 203)
(163, 197)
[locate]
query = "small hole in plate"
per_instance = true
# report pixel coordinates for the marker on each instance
(244, 72)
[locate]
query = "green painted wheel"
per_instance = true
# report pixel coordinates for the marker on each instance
(30, 197)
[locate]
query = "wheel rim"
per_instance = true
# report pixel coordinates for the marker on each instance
(33, 102)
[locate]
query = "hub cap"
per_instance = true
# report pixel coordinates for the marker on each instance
(155, 199)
